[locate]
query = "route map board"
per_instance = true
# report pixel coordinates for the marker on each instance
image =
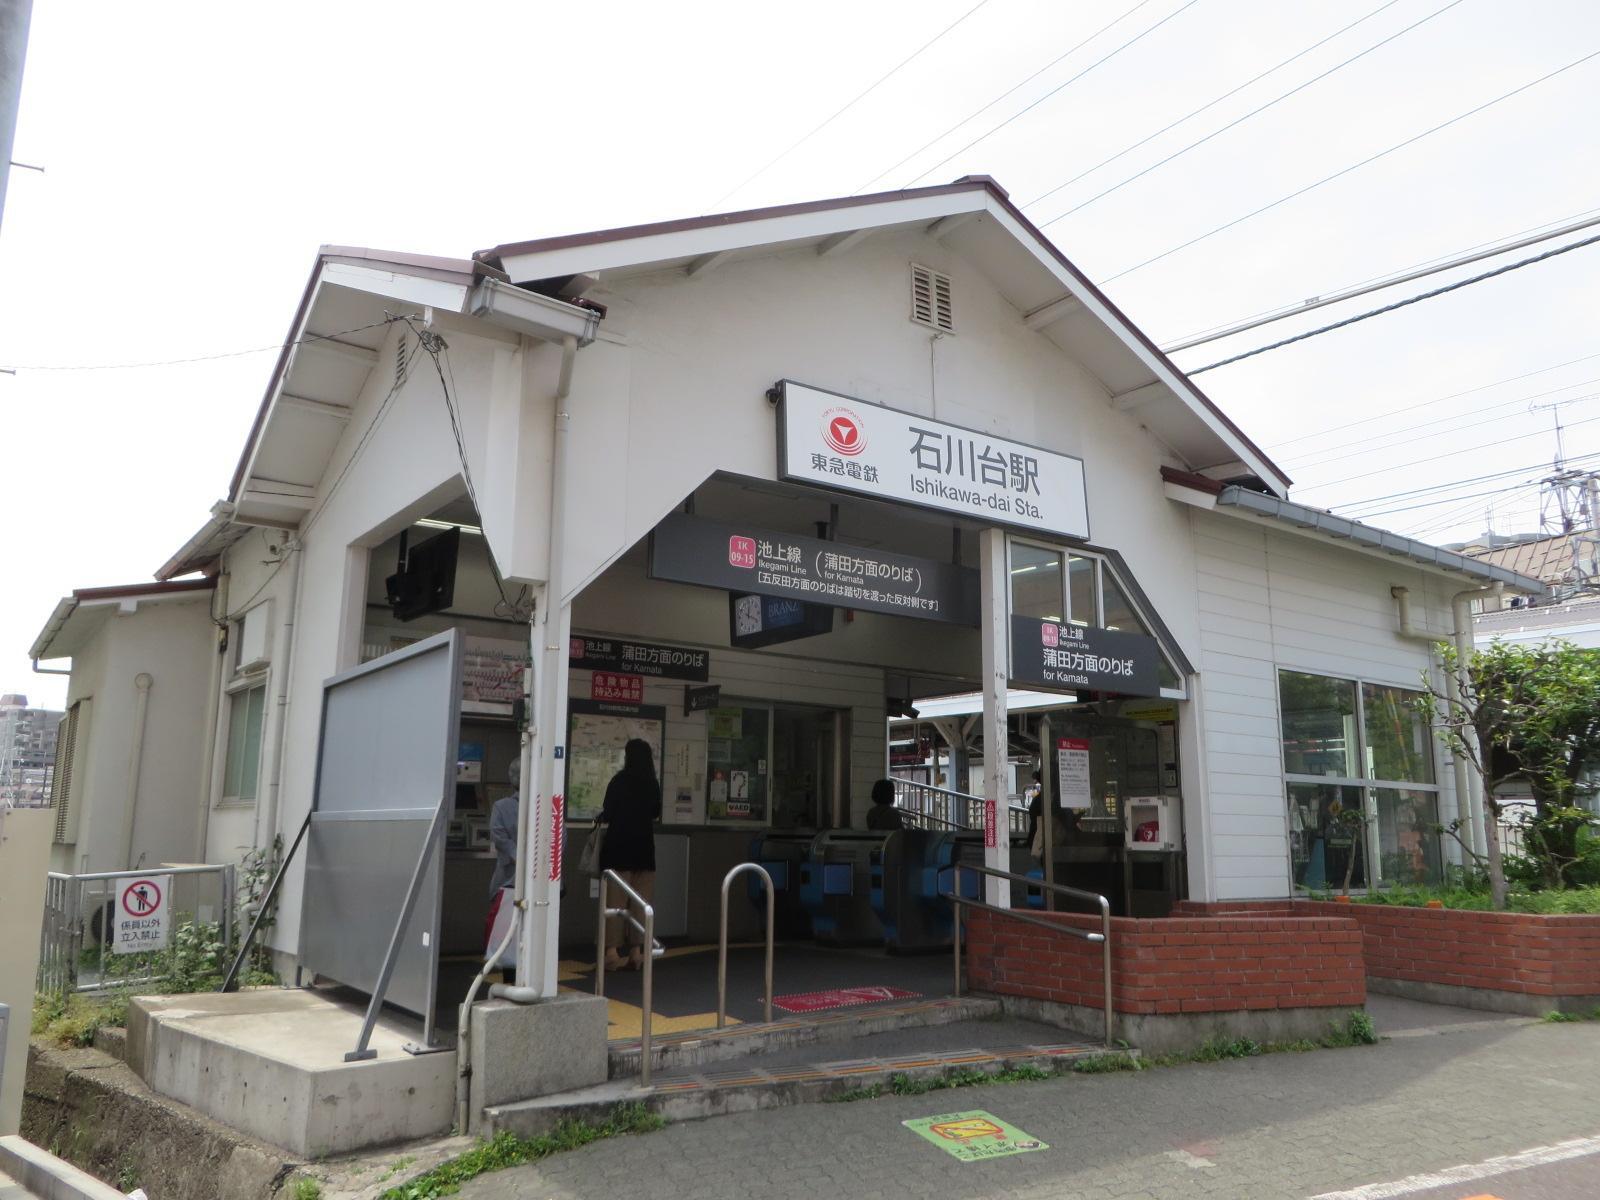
(596, 733)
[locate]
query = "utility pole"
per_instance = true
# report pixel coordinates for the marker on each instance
(14, 18)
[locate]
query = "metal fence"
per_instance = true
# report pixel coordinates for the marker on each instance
(75, 945)
(927, 807)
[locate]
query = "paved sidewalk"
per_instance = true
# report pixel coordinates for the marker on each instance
(1278, 1127)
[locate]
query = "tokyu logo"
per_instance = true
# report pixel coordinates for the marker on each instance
(841, 429)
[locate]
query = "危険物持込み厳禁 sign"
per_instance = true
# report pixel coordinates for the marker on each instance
(837, 442)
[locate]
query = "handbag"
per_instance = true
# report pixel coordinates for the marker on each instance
(589, 859)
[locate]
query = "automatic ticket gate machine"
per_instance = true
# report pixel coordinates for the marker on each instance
(912, 876)
(784, 856)
(836, 887)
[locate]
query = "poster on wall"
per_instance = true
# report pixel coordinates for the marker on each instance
(1072, 772)
(596, 733)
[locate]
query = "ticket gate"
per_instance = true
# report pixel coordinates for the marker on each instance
(911, 876)
(783, 855)
(836, 888)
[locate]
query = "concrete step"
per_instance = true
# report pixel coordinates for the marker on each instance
(680, 1051)
(10, 1189)
(782, 1078)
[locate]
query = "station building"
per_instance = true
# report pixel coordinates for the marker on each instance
(805, 497)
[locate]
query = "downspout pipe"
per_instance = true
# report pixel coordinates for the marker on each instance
(1468, 788)
(208, 757)
(141, 708)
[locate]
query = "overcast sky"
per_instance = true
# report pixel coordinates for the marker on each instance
(197, 155)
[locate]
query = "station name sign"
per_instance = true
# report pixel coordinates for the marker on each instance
(745, 559)
(835, 442)
(1051, 655)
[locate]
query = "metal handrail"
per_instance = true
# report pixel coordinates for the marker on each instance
(722, 939)
(914, 814)
(648, 930)
(1103, 937)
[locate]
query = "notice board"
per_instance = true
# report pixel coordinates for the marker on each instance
(597, 731)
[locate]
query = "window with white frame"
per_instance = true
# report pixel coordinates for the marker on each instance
(1052, 584)
(242, 771)
(1358, 768)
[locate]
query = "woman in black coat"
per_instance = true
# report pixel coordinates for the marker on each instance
(632, 807)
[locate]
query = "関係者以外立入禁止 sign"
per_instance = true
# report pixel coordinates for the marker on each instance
(1051, 655)
(638, 658)
(140, 919)
(743, 558)
(836, 442)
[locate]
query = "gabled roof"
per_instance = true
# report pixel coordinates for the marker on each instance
(76, 618)
(976, 218)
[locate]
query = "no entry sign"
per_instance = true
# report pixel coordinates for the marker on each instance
(140, 923)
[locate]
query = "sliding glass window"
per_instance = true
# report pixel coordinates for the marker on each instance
(1359, 770)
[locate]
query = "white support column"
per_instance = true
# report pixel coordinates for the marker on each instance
(994, 590)
(544, 777)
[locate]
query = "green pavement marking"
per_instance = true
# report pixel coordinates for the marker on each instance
(973, 1136)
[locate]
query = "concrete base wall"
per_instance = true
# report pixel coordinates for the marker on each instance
(271, 1063)
(92, 1110)
(47, 1177)
(1485, 999)
(524, 1051)
(1170, 1033)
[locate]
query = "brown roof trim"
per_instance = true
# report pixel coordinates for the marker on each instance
(1143, 339)
(124, 590)
(966, 183)
(1189, 479)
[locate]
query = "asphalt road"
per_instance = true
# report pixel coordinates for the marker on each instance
(1419, 1115)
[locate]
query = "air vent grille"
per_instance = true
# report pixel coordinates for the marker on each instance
(400, 360)
(931, 299)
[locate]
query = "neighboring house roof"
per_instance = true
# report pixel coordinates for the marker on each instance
(78, 617)
(1325, 526)
(1547, 558)
(1578, 616)
(974, 217)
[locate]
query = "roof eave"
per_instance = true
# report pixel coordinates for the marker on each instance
(1319, 522)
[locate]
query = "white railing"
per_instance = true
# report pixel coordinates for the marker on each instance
(927, 807)
(79, 916)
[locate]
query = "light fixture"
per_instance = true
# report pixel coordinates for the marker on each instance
(435, 523)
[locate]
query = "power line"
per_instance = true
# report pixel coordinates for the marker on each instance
(1482, 387)
(1500, 244)
(173, 362)
(1407, 302)
(1499, 491)
(1237, 120)
(1577, 62)
(1339, 297)
(1058, 88)
(1448, 454)
(879, 82)
(1454, 483)
(1318, 458)
(974, 115)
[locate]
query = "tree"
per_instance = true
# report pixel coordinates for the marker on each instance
(1532, 712)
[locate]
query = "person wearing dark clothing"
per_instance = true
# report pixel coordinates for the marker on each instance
(883, 815)
(632, 807)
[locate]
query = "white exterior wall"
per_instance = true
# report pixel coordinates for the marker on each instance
(1270, 599)
(170, 641)
(407, 467)
(675, 390)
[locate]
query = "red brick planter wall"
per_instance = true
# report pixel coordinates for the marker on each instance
(1524, 953)
(1175, 965)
